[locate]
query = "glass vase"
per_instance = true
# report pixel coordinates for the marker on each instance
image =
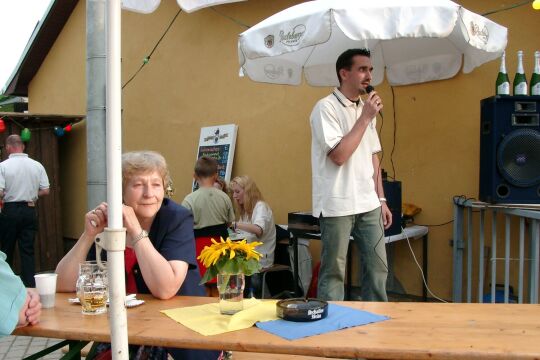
(231, 293)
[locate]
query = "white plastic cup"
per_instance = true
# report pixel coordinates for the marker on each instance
(46, 288)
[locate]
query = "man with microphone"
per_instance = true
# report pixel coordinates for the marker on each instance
(348, 196)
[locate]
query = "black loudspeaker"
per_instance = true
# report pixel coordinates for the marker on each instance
(510, 149)
(392, 192)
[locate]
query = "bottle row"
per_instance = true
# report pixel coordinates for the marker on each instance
(519, 85)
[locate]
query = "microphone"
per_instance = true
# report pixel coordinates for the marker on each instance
(369, 89)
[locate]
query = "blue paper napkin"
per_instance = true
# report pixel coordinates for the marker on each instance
(339, 317)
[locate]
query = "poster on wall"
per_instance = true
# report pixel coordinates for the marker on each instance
(218, 142)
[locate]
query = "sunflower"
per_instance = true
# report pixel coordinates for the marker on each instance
(230, 257)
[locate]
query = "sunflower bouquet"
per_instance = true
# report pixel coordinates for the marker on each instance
(230, 257)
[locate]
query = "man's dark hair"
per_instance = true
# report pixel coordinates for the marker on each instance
(345, 60)
(206, 167)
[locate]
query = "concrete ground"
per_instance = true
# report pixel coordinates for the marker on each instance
(18, 347)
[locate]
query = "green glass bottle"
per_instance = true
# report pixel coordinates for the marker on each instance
(520, 81)
(535, 78)
(502, 84)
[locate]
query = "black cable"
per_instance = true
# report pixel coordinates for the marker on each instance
(395, 134)
(510, 7)
(457, 199)
(433, 225)
(230, 18)
(147, 58)
(377, 178)
(15, 122)
(460, 199)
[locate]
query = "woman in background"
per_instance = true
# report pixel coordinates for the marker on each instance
(254, 216)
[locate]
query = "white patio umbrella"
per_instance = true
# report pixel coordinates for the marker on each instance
(414, 40)
(148, 6)
(114, 238)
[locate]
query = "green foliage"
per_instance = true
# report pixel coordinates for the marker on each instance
(236, 265)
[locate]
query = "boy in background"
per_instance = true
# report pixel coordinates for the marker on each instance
(212, 208)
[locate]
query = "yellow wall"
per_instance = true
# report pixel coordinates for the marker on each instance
(59, 87)
(192, 81)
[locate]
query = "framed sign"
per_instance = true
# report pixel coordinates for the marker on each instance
(218, 142)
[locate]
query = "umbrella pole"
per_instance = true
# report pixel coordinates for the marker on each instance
(115, 235)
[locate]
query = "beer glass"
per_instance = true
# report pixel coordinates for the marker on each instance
(92, 288)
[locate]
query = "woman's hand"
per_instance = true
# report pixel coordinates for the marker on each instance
(95, 221)
(250, 228)
(31, 310)
(131, 223)
(67, 269)
(34, 307)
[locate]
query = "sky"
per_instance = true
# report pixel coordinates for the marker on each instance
(18, 18)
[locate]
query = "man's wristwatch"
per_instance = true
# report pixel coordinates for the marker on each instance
(137, 238)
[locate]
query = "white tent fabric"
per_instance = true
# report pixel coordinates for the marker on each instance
(414, 40)
(149, 6)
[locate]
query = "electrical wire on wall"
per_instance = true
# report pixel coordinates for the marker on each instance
(230, 18)
(147, 58)
(377, 179)
(509, 7)
(394, 134)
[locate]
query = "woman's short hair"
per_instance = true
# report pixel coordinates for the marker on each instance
(252, 195)
(143, 162)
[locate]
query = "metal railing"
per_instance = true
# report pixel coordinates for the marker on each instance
(470, 237)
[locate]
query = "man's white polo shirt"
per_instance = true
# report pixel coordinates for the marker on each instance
(347, 189)
(21, 178)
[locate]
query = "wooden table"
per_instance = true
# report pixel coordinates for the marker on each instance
(415, 331)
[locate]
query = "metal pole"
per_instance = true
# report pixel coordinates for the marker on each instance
(535, 263)
(493, 254)
(521, 258)
(458, 254)
(96, 174)
(507, 259)
(469, 253)
(115, 258)
(481, 256)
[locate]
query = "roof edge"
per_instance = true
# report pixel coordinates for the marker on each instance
(38, 46)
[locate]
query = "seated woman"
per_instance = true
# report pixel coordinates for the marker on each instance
(19, 306)
(160, 251)
(254, 217)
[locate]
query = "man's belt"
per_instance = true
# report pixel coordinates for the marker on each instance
(20, 203)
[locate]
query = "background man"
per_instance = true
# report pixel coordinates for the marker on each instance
(22, 180)
(348, 196)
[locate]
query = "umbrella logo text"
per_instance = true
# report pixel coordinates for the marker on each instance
(293, 37)
(273, 72)
(269, 41)
(482, 34)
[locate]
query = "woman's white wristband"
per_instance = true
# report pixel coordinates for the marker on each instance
(382, 199)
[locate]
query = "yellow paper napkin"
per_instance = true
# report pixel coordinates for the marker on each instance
(207, 320)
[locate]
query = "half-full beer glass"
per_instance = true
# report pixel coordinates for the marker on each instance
(92, 288)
